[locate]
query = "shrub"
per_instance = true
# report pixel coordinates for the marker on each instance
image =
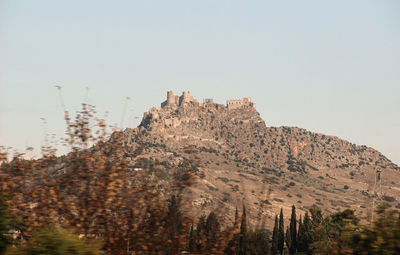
(224, 179)
(388, 198)
(212, 188)
(266, 202)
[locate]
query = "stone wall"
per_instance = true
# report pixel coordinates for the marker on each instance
(237, 103)
(178, 101)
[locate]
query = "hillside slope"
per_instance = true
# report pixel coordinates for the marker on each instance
(237, 158)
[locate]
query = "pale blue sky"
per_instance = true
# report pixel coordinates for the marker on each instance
(328, 66)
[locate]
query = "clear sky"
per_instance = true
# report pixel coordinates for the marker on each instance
(328, 66)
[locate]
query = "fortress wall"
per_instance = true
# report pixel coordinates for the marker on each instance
(185, 98)
(237, 103)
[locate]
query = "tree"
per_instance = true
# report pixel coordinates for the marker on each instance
(293, 232)
(236, 222)
(94, 190)
(288, 238)
(258, 242)
(173, 225)
(212, 230)
(382, 237)
(305, 235)
(232, 235)
(192, 239)
(281, 233)
(201, 233)
(316, 215)
(300, 232)
(274, 245)
(332, 232)
(243, 234)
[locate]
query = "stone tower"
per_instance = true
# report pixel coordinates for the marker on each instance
(172, 99)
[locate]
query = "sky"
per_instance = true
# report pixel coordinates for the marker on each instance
(331, 67)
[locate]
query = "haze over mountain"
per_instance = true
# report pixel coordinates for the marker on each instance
(238, 159)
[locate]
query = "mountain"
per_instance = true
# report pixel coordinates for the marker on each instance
(238, 159)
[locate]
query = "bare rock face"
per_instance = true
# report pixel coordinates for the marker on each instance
(238, 159)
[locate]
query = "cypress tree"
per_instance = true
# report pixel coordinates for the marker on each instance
(192, 239)
(305, 235)
(293, 232)
(288, 238)
(301, 242)
(212, 230)
(274, 245)
(173, 222)
(299, 233)
(200, 233)
(236, 223)
(281, 233)
(232, 246)
(243, 234)
(309, 233)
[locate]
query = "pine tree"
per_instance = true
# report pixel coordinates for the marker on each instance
(293, 232)
(274, 245)
(281, 233)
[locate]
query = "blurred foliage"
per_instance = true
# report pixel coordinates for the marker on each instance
(56, 241)
(93, 190)
(6, 225)
(341, 233)
(382, 237)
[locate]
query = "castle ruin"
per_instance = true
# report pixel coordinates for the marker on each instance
(185, 99)
(237, 103)
(174, 100)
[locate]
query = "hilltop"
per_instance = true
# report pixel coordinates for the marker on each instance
(238, 159)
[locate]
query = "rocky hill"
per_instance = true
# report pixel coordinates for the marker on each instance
(238, 159)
